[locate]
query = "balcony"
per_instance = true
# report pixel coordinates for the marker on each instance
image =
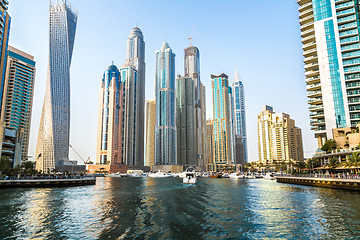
(314, 93)
(316, 115)
(309, 46)
(311, 73)
(315, 101)
(311, 58)
(309, 52)
(313, 108)
(312, 80)
(305, 6)
(306, 33)
(304, 14)
(307, 26)
(311, 66)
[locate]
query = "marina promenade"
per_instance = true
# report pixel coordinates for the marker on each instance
(341, 183)
(47, 182)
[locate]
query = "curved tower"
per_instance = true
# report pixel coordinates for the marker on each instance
(135, 62)
(53, 139)
(165, 131)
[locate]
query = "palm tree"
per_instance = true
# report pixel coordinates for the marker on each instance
(353, 160)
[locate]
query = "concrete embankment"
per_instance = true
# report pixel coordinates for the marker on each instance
(349, 184)
(36, 183)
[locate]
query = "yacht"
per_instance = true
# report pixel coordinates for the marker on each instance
(206, 174)
(237, 175)
(269, 176)
(118, 174)
(190, 176)
(159, 174)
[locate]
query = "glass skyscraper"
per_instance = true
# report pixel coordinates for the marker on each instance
(18, 98)
(5, 21)
(134, 97)
(53, 139)
(239, 111)
(110, 122)
(165, 130)
(331, 49)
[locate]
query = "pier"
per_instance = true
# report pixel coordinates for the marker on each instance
(340, 183)
(50, 182)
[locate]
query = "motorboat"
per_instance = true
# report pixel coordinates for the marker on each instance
(250, 176)
(258, 176)
(237, 175)
(190, 176)
(205, 175)
(182, 174)
(159, 174)
(225, 175)
(215, 175)
(269, 176)
(118, 174)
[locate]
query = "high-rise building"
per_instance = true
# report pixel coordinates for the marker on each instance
(135, 60)
(18, 97)
(209, 145)
(185, 121)
(150, 114)
(165, 129)
(110, 118)
(223, 142)
(53, 139)
(331, 49)
(5, 21)
(129, 77)
(239, 114)
(278, 138)
(192, 70)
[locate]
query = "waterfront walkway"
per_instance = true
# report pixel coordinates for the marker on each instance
(329, 182)
(47, 182)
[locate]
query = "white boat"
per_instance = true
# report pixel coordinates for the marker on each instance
(159, 174)
(118, 174)
(190, 176)
(182, 175)
(269, 176)
(237, 175)
(250, 176)
(206, 174)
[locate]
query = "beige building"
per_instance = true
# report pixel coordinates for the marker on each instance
(150, 119)
(348, 137)
(209, 143)
(109, 133)
(278, 137)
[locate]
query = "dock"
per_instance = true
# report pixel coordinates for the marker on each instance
(45, 183)
(349, 184)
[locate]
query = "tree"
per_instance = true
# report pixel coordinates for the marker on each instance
(5, 165)
(329, 145)
(334, 162)
(353, 160)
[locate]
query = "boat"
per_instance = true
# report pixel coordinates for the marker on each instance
(225, 175)
(250, 176)
(215, 175)
(237, 175)
(269, 176)
(258, 176)
(118, 174)
(205, 175)
(159, 174)
(190, 176)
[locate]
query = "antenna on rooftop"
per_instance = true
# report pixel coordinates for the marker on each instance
(191, 35)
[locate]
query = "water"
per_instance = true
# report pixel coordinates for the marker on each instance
(128, 208)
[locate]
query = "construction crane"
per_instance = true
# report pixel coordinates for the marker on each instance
(85, 162)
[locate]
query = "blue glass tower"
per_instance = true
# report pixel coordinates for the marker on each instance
(239, 111)
(165, 130)
(5, 21)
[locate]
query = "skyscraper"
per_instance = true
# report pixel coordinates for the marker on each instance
(150, 113)
(331, 49)
(185, 121)
(18, 97)
(129, 76)
(239, 112)
(192, 70)
(134, 97)
(209, 145)
(5, 21)
(223, 142)
(110, 118)
(53, 139)
(165, 130)
(278, 137)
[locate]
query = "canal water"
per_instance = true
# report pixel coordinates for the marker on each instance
(147, 208)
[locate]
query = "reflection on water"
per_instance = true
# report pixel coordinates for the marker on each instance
(148, 208)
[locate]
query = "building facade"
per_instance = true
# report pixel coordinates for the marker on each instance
(165, 129)
(53, 139)
(331, 49)
(222, 120)
(135, 59)
(18, 98)
(192, 70)
(209, 144)
(5, 21)
(129, 77)
(110, 119)
(279, 140)
(185, 121)
(150, 119)
(239, 115)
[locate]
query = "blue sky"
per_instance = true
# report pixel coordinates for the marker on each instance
(261, 37)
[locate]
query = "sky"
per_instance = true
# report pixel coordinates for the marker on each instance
(261, 38)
